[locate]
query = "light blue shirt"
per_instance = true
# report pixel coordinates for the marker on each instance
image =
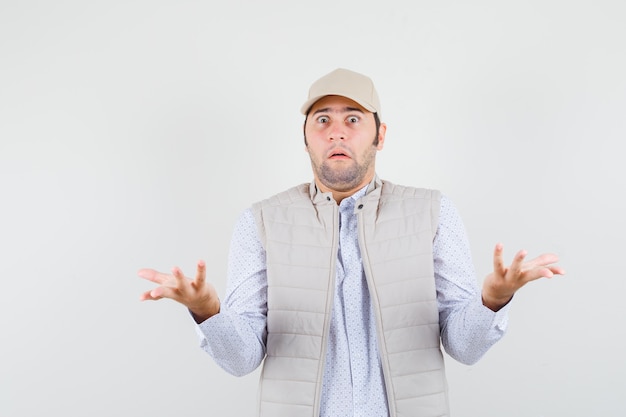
(353, 382)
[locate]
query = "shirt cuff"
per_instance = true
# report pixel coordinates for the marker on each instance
(217, 327)
(498, 319)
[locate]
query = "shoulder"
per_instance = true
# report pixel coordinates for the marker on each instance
(277, 207)
(287, 197)
(404, 191)
(422, 201)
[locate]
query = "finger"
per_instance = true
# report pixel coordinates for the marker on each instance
(518, 260)
(146, 296)
(543, 260)
(498, 262)
(201, 274)
(152, 275)
(180, 277)
(557, 270)
(537, 273)
(152, 295)
(166, 292)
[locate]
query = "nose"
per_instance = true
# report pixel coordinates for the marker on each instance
(336, 131)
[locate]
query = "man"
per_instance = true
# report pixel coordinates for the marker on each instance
(346, 287)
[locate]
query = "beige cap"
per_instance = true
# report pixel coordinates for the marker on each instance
(345, 83)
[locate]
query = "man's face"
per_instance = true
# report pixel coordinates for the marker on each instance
(340, 137)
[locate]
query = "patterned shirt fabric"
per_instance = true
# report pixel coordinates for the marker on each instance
(353, 383)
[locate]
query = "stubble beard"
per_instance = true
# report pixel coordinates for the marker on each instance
(344, 176)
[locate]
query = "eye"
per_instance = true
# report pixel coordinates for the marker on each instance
(353, 119)
(322, 119)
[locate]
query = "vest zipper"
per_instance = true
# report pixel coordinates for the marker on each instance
(329, 309)
(382, 351)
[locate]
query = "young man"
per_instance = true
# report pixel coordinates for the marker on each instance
(346, 287)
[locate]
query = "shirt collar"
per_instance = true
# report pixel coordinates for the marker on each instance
(318, 196)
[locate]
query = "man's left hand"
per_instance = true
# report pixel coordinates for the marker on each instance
(500, 285)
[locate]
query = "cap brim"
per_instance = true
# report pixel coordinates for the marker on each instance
(310, 102)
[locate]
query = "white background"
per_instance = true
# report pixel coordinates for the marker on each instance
(133, 133)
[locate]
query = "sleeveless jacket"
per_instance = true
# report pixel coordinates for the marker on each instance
(299, 229)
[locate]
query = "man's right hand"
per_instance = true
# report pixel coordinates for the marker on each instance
(197, 295)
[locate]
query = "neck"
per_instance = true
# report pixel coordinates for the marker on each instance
(339, 195)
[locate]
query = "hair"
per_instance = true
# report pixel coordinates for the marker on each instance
(376, 120)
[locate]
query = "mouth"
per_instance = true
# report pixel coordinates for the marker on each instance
(338, 154)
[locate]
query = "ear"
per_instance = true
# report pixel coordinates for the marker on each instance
(381, 136)
(306, 144)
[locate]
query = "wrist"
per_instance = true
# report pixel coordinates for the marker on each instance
(206, 311)
(495, 303)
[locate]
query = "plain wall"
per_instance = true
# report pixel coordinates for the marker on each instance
(133, 134)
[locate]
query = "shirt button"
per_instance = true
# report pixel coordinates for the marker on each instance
(360, 206)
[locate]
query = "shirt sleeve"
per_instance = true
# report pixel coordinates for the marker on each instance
(235, 338)
(468, 328)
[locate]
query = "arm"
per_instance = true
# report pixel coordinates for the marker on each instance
(468, 329)
(236, 337)
(232, 332)
(471, 321)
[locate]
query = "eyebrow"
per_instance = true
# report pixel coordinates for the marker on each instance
(344, 110)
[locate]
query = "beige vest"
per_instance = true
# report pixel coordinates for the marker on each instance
(299, 229)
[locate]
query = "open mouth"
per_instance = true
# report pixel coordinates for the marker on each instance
(338, 154)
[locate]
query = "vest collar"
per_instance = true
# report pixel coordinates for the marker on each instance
(373, 191)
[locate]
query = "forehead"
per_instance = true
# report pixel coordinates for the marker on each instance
(336, 103)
